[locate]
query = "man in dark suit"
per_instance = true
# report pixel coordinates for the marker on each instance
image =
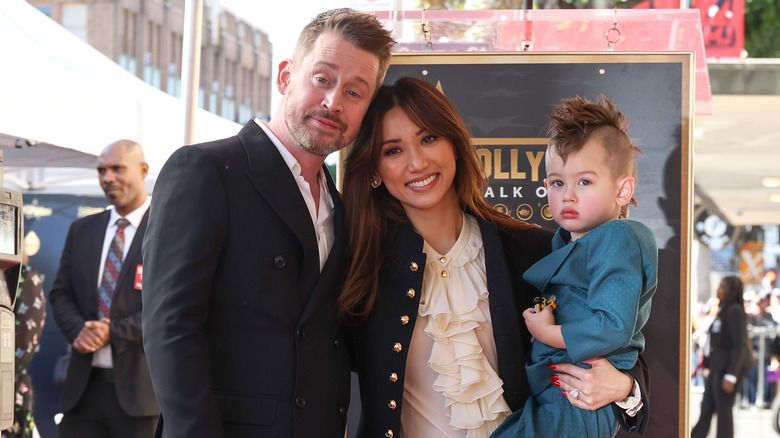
(96, 299)
(245, 254)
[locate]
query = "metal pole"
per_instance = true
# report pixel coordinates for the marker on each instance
(761, 367)
(190, 62)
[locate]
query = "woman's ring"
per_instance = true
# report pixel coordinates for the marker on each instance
(574, 393)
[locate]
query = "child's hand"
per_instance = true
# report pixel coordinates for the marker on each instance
(538, 323)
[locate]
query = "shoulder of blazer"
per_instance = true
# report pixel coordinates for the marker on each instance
(400, 245)
(734, 314)
(259, 150)
(228, 151)
(93, 223)
(534, 243)
(400, 239)
(732, 320)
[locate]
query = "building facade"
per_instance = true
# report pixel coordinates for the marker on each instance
(145, 38)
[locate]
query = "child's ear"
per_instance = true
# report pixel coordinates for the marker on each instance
(545, 183)
(625, 190)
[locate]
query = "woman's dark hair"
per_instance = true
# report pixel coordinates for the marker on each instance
(369, 212)
(734, 291)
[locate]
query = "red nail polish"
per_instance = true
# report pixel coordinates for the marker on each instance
(554, 377)
(564, 393)
(551, 366)
(556, 383)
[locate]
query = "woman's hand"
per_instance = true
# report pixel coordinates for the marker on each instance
(597, 387)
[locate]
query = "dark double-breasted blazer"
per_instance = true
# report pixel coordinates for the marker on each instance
(381, 344)
(73, 299)
(240, 326)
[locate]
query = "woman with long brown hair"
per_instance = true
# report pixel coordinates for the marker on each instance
(434, 291)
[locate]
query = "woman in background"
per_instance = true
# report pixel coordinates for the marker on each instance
(726, 358)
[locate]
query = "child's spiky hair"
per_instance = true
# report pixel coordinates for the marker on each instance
(576, 121)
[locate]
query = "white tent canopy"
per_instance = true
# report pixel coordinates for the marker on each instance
(62, 102)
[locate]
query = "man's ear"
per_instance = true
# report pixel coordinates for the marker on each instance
(625, 190)
(284, 76)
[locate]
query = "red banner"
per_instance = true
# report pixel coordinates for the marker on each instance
(723, 25)
(722, 22)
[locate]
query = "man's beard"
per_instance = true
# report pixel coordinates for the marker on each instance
(302, 135)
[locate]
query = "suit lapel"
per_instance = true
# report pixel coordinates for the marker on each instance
(508, 327)
(498, 281)
(273, 180)
(129, 265)
(334, 270)
(92, 266)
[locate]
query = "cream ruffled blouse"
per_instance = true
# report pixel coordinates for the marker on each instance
(451, 388)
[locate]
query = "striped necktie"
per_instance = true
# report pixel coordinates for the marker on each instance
(112, 268)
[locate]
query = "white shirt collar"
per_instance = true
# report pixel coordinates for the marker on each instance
(134, 217)
(292, 163)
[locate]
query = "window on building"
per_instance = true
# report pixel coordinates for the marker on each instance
(228, 103)
(156, 78)
(132, 65)
(74, 18)
(263, 95)
(213, 97)
(127, 56)
(228, 109)
(45, 9)
(148, 67)
(174, 72)
(151, 73)
(174, 80)
(245, 110)
(215, 77)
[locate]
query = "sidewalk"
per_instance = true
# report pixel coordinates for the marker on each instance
(748, 423)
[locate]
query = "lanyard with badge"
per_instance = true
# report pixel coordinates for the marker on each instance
(714, 328)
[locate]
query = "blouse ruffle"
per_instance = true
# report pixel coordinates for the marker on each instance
(455, 284)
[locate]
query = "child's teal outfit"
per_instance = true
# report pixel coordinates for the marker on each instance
(603, 283)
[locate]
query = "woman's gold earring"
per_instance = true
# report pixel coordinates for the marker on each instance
(374, 183)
